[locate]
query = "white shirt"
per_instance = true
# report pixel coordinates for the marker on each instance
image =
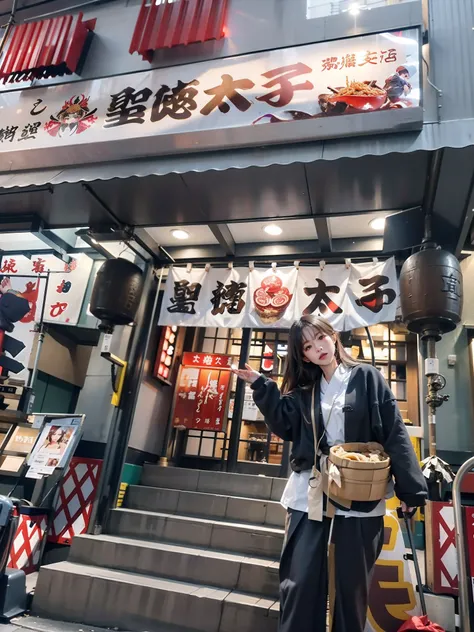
(295, 494)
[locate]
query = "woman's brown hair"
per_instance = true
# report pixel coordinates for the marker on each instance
(301, 373)
(53, 431)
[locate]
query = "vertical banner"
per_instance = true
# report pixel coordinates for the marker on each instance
(66, 288)
(186, 391)
(202, 392)
(372, 294)
(211, 400)
(225, 297)
(65, 294)
(182, 302)
(272, 295)
(322, 291)
(23, 333)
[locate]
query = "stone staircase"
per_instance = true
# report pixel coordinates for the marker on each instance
(190, 551)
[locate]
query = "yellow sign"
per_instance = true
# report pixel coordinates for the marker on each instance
(392, 595)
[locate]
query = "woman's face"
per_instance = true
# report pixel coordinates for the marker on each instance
(56, 436)
(318, 348)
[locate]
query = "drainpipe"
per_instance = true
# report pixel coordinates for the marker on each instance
(234, 440)
(8, 27)
(117, 445)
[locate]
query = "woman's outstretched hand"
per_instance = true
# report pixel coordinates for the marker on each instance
(406, 509)
(248, 374)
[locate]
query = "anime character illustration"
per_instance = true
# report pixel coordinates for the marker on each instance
(397, 85)
(75, 117)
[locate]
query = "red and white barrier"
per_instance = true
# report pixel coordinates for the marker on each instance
(26, 547)
(76, 495)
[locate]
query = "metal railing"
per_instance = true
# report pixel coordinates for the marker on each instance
(463, 579)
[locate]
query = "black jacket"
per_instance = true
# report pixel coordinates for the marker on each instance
(371, 414)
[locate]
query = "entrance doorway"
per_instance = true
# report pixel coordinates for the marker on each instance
(259, 450)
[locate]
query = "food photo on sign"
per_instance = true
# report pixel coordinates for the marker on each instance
(272, 292)
(356, 76)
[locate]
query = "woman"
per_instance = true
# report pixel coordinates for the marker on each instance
(353, 403)
(55, 441)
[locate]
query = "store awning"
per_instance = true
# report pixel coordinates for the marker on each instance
(320, 181)
(452, 134)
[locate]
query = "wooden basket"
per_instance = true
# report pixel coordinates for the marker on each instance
(360, 481)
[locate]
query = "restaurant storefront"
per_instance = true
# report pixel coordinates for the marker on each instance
(222, 138)
(323, 125)
(216, 424)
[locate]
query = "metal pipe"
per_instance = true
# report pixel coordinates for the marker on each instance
(8, 27)
(239, 398)
(431, 353)
(175, 378)
(117, 223)
(463, 580)
(431, 188)
(371, 343)
(280, 218)
(41, 336)
(113, 466)
(31, 380)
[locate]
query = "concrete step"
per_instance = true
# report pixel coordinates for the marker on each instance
(109, 598)
(223, 483)
(246, 539)
(41, 624)
(267, 512)
(232, 571)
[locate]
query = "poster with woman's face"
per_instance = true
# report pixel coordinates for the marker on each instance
(57, 440)
(53, 445)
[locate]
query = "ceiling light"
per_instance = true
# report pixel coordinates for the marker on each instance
(180, 234)
(273, 229)
(378, 223)
(354, 9)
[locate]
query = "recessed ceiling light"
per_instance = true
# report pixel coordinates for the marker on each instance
(180, 234)
(378, 223)
(273, 229)
(354, 9)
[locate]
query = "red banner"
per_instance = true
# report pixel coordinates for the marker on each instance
(185, 404)
(224, 384)
(208, 360)
(202, 393)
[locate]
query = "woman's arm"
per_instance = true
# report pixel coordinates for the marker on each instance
(280, 411)
(410, 484)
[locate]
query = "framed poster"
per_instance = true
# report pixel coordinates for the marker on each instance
(54, 446)
(202, 392)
